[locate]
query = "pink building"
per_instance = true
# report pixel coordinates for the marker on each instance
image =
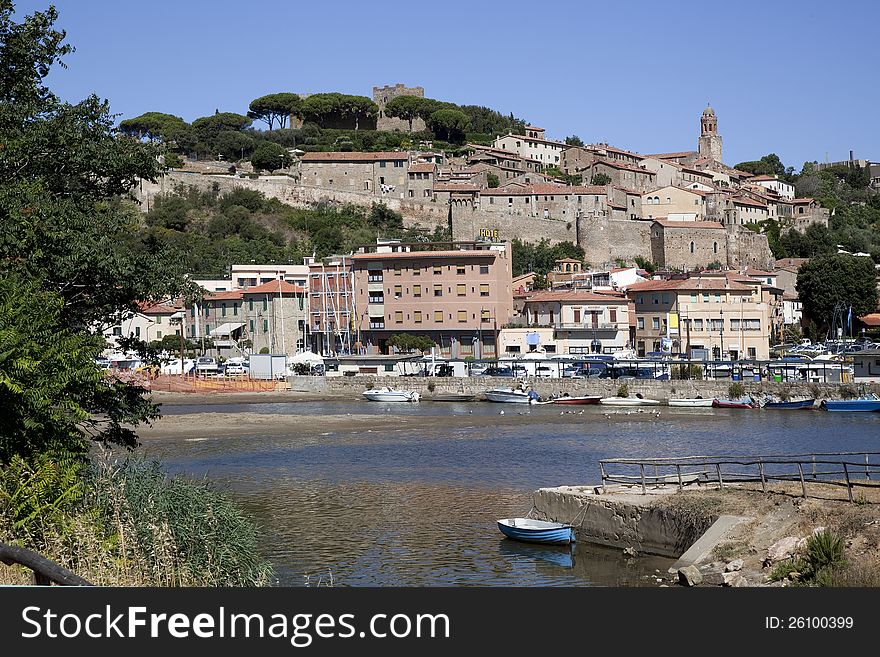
(459, 298)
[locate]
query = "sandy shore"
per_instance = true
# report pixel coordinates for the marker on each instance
(281, 396)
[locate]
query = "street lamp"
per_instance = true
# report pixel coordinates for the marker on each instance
(722, 334)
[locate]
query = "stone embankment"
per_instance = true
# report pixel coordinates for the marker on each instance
(352, 386)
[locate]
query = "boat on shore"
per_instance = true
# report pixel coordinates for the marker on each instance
(389, 395)
(867, 403)
(628, 401)
(537, 531)
(792, 404)
(745, 402)
(512, 396)
(450, 397)
(690, 402)
(567, 399)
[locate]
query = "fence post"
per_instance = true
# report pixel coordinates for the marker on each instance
(801, 473)
(761, 470)
(848, 485)
(814, 466)
(602, 473)
(867, 470)
(642, 467)
(680, 485)
(720, 480)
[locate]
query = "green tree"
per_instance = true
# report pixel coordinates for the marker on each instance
(65, 251)
(449, 122)
(492, 180)
(825, 281)
(406, 342)
(270, 156)
(275, 107)
(574, 140)
(645, 264)
(207, 128)
(335, 110)
(234, 145)
(600, 179)
(155, 126)
(410, 108)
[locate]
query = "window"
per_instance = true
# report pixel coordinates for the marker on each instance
(640, 322)
(251, 306)
(235, 309)
(223, 310)
(693, 297)
(438, 269)
(377, 322)
(459, 270)
(485, 316)
(417, 316)
(159, 333)
(398, 317)
(655, 299)
(753, 354)
(714, 247)
(398, 291)
(717, 298)
(666, 297)
(374, 277)
(265, 325)
(462, 316)
(265, 304)
(484, 289)
(692, 247)
(655, 323)
(577, 315)
(398, 164)
(484, 269)
(137, 331)
(192, 313)
(416, 271)
(705, 297)
(251, 325)
(438, 316)
(417, 290)
(461, 289)
(397, 269)
(376, 297)
(716, 325)
(612, 313)
(698, 324)
(438, 290)
(382, 164)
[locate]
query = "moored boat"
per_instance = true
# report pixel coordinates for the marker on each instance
(866, 403)
(512, 396)
(745, 402)
(792, 404)
(690, 402)
(389, 395)
(628, 401)
(537, 531)
(585, 399)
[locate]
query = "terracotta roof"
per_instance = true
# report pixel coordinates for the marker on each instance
(354, 156)
(472, 253)
(872, 319)
(802, 201)
(718, 283)
(742, 174)
(575, 296)
(543, 189)
(422, 167)
(790, 264)
(230, 295)
(666, 223)
(500, 152)
(627, 167)
(160, 308)
(697, 171)
(669, 156)
(759, 272)
(765, 177)
(742, 200)
(455, 187)
(533, 127)
(630, 192)
(698, 192)
(274, 287)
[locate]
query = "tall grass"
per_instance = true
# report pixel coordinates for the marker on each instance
(129, 524)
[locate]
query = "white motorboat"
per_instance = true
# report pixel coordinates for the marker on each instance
(691, 402)
(512, 396)
(629, 401)
(389, 395)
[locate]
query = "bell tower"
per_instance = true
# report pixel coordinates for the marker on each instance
(709, 144)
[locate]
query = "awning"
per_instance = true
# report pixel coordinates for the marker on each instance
(227, 328)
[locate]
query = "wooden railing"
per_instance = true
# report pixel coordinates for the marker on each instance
(46, 572)
(825, 468)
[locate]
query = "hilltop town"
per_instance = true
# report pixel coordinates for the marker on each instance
(686, 218)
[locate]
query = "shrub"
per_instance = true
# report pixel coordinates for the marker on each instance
(623, 390)
(736, 390)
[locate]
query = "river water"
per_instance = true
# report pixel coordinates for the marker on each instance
(417, 505)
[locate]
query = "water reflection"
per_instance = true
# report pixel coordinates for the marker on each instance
(416, 504)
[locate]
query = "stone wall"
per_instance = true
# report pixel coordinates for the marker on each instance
(747, 249)
(606, 240)
(382, 95)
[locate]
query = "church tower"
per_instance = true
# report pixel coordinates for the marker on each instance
(710, 140)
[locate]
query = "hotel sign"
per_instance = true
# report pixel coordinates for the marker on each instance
(488, 233)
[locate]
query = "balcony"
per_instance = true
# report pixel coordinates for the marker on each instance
(601, 326)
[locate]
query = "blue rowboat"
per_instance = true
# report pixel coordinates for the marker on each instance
(787, 405)
(868, 403)
(537, 531)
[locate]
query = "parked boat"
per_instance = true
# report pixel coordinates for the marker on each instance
(537, 531)
(691, 402)
(792, 404)
(451, 397)
(745, 402)
(585, 399)
(628, 401)
(512, 396)
(389, 395)
(868, 402)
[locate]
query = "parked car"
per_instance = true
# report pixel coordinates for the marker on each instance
(234, 369)
(207, 365)
(497, 371)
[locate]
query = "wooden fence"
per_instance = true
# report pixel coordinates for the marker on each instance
(825, 468)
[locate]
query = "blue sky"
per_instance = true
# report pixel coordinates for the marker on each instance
(795, 78)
